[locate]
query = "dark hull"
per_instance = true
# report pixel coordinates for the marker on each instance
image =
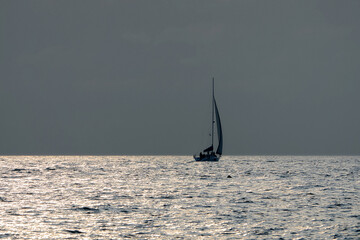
(207, 158)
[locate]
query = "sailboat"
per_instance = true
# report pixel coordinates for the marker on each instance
(208, 154)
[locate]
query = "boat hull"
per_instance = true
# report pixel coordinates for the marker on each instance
(210, 158)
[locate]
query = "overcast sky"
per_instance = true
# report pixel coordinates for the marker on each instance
(134, 77)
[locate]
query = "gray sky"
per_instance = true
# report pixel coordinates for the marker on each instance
(134, 77)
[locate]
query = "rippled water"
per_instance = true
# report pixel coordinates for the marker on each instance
(167, 197)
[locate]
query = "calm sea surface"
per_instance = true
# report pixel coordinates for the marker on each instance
(168, 197)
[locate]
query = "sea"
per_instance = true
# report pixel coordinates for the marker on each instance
(174, 197)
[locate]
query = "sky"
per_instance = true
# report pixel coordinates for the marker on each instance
(134, 76)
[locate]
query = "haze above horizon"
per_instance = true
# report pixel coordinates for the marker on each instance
(134, 77)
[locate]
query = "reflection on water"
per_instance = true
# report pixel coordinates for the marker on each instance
(149, 197)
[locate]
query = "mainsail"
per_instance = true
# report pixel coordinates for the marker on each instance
(219, 130)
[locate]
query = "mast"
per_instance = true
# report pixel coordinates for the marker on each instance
(212, 116)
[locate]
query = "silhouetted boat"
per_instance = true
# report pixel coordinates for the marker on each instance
(208, 154)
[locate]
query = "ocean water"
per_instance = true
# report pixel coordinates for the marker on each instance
(173, 197)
